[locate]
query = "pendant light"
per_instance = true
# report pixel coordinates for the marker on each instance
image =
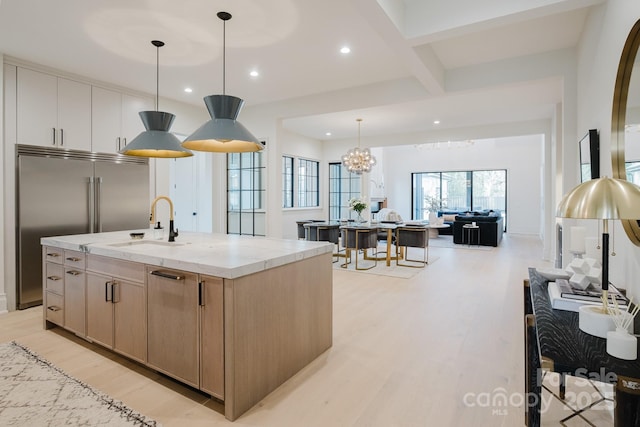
(223, 133)
(156, 140)
(357, 160)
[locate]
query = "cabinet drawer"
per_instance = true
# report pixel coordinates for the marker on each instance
(54, 308)
(74, 259)
(114, 267)
(55, 278)
(55, 255)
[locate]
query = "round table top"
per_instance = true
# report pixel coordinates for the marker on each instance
(438, 225)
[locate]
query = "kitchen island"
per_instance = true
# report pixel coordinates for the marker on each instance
(233, 316)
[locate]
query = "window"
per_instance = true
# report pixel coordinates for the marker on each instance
(246, 194)
(459, 191)
(287, 182)
(343, 186)
(308, 183)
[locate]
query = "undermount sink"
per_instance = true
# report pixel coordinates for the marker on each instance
(139, 243)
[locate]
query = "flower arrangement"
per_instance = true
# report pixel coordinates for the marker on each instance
(357, 205)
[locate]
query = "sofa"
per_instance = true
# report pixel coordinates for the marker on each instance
(491, 228)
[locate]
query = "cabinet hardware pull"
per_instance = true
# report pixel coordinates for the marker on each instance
(54, 278)
(200, 294)
(115, 292)
(54, 308)
(61, 137)
(54, 136)
(166, 275)
(74, 259)
(118, 143)
(74, 272)
(106, 291)
(54, 255)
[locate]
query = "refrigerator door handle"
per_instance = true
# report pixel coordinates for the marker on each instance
(92, 205)
(98, 199)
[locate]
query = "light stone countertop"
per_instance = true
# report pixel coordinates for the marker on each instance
(220, 255)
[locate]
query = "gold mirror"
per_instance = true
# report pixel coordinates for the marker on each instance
(625, 122)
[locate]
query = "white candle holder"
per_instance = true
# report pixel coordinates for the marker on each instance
(621, 344)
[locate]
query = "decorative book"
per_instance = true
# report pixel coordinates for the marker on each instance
(591, 293)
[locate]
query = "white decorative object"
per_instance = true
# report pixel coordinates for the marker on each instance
(433, 217)
(622, 345)
(594, 321)
(552, 274)
(594, 275)
(579, 281)
(579, 266)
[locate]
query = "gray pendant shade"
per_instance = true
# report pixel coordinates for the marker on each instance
(223, 133)
(156, 140)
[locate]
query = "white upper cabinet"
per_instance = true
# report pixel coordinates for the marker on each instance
(115, 119)
(74, 114)
(52, 111)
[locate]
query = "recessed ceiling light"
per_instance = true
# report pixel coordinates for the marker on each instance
(254, 73)
(345, 49)
(328, 134)
(188, 89)
(436, 122)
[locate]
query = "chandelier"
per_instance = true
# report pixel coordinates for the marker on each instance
(358, 160)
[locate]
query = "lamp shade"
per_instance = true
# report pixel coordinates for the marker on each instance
(156, 140)
(223, 133)
(602, 198)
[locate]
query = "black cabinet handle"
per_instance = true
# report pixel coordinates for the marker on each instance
(107, 286)
(167, 275)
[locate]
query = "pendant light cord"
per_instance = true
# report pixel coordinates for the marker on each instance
(224, 56)
(157, 78)
(359, 123)
(158, 44)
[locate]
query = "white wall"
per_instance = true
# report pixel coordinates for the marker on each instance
(3, 295)
(598, 57)
(298, 146)
(522, 157)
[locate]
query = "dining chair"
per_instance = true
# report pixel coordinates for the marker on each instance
(412, 237)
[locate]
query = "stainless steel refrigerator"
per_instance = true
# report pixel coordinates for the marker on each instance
(61, 192)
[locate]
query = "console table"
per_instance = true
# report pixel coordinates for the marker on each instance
(553, 336)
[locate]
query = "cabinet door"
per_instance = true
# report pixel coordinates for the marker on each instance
(172, 304)
(74, 115)
(130, 320)
(212, 336)
(106, 120)
(37, 108)
(99, 309)
(74, 300)
(131, 123)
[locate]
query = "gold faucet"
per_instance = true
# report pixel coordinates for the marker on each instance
(152, 219)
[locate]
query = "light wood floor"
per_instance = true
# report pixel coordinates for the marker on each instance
(406, 352)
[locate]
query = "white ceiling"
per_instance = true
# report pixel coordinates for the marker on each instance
(399, 76)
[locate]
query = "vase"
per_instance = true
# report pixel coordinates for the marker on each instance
(360, 218)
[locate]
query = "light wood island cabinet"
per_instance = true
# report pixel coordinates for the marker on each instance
(212, 336)
(236, 337)
(53, 297)
(172, 303)
(116, 306)
(75, 292)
